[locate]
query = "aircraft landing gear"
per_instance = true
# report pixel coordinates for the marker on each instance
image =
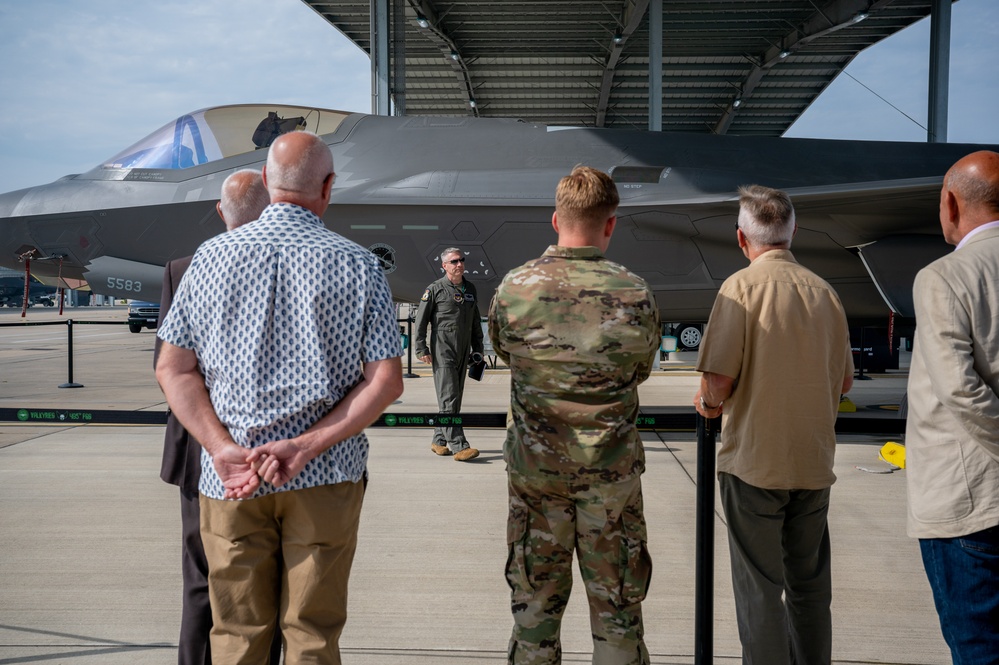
(689, 336)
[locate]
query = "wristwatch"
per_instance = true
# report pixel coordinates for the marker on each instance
(708, 407)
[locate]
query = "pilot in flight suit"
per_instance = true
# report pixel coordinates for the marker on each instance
(450, 308)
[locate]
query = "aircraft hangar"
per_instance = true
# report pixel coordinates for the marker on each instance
(745, 67)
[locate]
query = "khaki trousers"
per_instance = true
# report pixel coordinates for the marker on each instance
(285, 555)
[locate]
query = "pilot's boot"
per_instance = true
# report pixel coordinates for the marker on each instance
(458, 444)
(466, 454)
(439, 444)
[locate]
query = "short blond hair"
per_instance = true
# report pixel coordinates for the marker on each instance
(587, 197)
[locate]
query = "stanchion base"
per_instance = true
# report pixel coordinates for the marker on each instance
(71, 385)
(410, 375)
(862, 377)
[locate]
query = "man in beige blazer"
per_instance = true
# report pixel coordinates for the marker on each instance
(952, 433)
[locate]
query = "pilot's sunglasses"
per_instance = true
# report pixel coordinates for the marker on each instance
(455, 262)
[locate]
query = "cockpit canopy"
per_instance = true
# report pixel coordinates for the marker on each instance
(216, 133)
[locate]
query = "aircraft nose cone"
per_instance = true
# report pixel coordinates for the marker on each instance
(12, 229)
(9, 201)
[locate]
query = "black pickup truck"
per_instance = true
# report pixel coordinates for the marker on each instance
(142, 314)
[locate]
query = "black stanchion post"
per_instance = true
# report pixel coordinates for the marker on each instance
(69, 344)
(704, 582)
(409, 349)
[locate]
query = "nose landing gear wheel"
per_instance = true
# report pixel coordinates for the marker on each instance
(689, 337)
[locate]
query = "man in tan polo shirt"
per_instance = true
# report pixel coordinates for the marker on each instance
(775, 359)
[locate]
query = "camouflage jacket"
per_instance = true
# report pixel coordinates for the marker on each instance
(579, 333)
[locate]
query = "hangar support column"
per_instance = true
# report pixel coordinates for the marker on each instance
(656, 65)
(939, 85)
(398, 83)
(379, 57)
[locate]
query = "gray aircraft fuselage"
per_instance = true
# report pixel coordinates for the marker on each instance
(408, 187)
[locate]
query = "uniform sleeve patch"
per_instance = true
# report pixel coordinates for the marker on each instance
(426, 295)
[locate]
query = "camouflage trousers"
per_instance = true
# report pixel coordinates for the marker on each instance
(604, 524)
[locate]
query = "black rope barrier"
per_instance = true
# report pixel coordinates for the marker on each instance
(22, 324)
(656, 422)
(48, 415)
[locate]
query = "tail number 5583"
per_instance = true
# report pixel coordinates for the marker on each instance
(121, 284)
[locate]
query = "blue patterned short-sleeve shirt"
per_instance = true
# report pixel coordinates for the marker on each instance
(282, 313)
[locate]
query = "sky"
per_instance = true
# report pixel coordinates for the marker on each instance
(83, 79)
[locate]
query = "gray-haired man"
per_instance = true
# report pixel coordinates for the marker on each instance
(450, 308)
(775, 359)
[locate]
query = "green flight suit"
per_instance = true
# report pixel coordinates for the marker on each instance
(452, 314)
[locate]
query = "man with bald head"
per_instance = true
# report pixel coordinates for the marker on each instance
(952, 431)
(243, 198)
(277, 374)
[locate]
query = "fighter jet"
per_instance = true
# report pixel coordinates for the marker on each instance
(408, 187)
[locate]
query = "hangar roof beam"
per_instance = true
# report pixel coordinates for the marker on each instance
(514, 51)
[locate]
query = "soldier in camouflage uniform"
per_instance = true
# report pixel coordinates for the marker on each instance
(450, 307)
(579, 333)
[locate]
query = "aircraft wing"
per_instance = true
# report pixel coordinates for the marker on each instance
(857, 214)
(866, 239)
(894, 226)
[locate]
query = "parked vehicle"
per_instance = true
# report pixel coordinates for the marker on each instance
(142, 314)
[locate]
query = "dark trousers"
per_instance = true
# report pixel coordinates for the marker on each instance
(194, 647)
(196, 616)
(964, 575)
(781, 573)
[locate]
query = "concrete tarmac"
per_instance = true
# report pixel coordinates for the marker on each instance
(90, 548)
